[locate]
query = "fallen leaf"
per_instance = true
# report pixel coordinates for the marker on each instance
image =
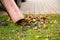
(23, 38)
(59, 33)
(44, 26)
(37, 37)
(18, 33)
(55, 22)
(47, 39)
(9, 37)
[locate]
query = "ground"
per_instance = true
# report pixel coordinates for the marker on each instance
(37, 27)
(41, 6)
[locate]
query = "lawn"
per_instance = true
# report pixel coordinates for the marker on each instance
(34, 27)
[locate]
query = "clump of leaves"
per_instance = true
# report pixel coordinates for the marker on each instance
(32, 18)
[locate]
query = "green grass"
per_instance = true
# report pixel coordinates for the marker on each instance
(46, 31)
